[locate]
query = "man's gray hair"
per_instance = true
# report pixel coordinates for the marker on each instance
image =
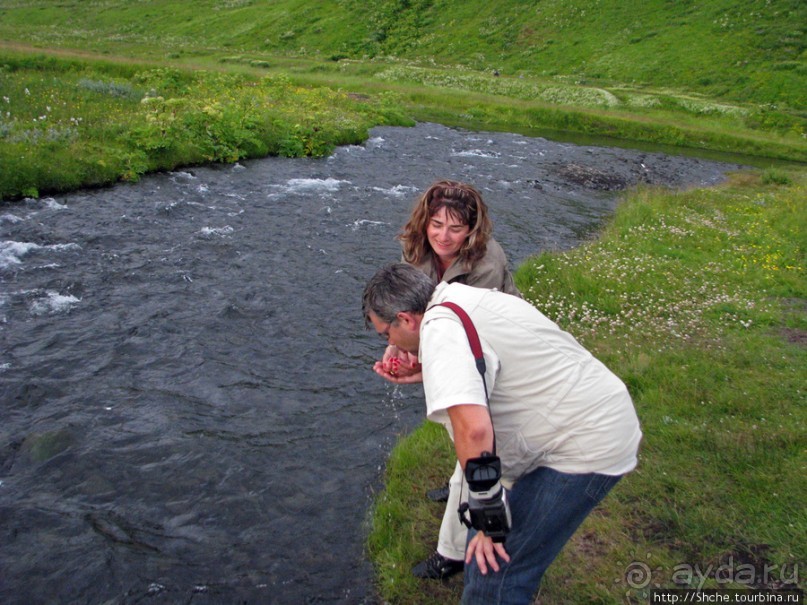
(394, 289)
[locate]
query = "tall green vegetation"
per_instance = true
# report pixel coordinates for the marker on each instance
(66, 124)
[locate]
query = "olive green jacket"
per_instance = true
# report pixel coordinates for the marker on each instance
(488, 272)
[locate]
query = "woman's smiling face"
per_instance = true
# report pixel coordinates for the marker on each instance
(446, 234)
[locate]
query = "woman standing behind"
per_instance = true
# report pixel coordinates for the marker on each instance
(448, 237)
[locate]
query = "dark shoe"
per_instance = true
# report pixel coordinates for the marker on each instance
(439, 494)
(437, 567)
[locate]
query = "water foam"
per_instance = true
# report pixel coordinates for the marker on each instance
(53, 302)
(10, 218)
(307, 185)
(397, 190)
(12, 252)
(476, 153)
(220, 231)
(52, 204)
(366, 223)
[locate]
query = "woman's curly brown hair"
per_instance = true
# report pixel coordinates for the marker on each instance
(463, 203)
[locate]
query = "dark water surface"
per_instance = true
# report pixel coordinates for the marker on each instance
(188, 410)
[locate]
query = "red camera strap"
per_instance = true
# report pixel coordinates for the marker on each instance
(476, 349)
(473, 339)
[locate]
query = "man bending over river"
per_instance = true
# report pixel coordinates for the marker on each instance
(542, 418)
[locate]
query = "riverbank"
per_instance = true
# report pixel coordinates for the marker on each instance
(696, 300)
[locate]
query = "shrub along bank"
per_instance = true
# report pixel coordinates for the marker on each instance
(66, 124)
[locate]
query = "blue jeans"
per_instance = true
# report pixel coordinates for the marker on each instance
(547, 507)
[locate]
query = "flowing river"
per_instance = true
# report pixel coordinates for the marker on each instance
(188, 408)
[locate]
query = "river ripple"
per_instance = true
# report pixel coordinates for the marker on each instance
(188, 408)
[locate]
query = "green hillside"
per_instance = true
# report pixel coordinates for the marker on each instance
(747, 50)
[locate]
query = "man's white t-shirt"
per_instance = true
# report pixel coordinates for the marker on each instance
(552, 403)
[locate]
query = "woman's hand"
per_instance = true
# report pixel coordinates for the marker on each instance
(484, 550)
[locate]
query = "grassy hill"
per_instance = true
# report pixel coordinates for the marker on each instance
(743, 51)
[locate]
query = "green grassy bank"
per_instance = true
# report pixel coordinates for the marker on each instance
(696, 300)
